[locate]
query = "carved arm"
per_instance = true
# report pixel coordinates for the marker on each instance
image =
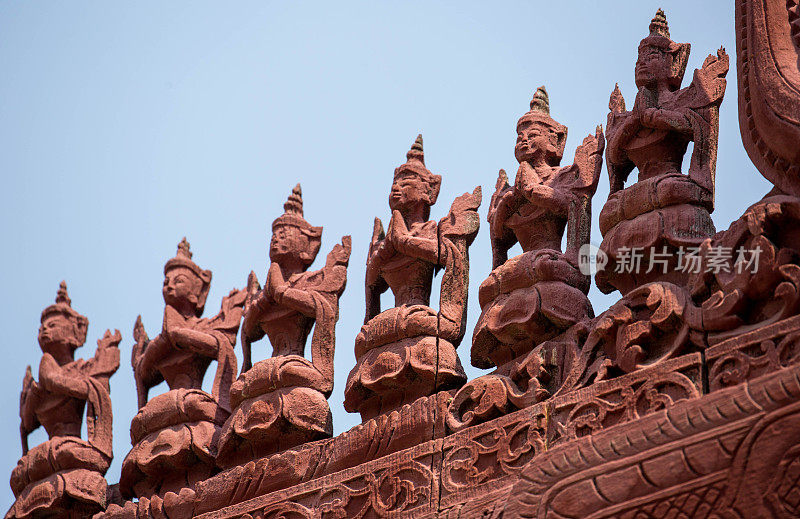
(419, 247)
(529, 185)
(621, 128)
(503, 204)
(55, 379)
(201, 343)
(589, 162)
(106, 357)
(143, 360)
(27, 409)
(670, 120)
(375, 285)
(253, 308)
(280, 291)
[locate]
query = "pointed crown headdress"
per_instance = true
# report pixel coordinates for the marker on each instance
(659, 38)
(415, 165)
(183, 258)
(63, 306)
(293, 215)
(540, 112)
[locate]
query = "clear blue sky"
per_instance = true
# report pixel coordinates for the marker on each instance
(126, 126)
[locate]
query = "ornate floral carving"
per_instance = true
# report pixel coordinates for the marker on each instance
(486, 456)
(752, 354)
(398, 430)
(624, 399)
(761, 287)
(651, 324)
(397, 490)
(702, 448)
(399, 485)
(519, 384)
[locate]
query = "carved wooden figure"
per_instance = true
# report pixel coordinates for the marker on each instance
(541, 292)
(665, 211)
(282, 402)
(172, 433)
(408, 351)
(63, 477)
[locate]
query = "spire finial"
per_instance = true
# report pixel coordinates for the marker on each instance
(184, 249)
(659, 26)
(294, 204)
(62, 297)
(416, 152)
(293, 214)
(541, 101)
(616, 103)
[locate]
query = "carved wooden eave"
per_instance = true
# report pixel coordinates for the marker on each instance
(735, 447)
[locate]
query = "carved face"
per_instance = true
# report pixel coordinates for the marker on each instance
(536, 139)
(653, 66)
(287, 240)
(182, 288)
(409, 191)
(59, 330)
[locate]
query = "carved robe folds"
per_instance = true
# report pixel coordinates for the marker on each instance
(276, 406)
(527, 300)
(172, 442)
